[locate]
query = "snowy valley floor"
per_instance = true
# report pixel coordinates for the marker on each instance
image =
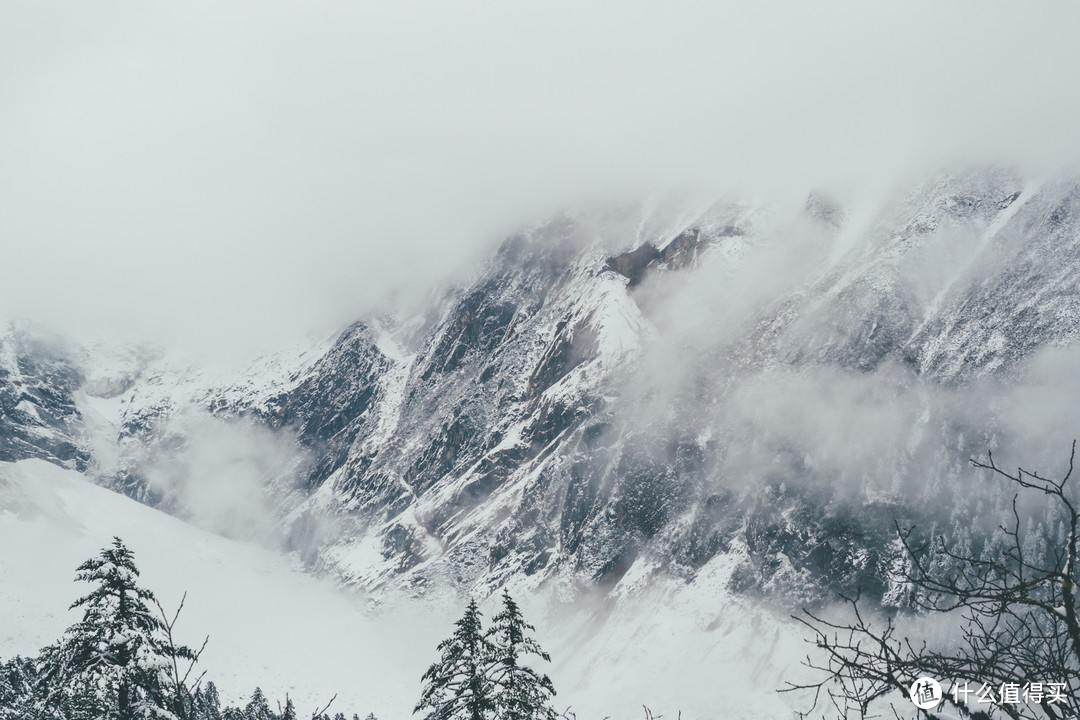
(668, 645)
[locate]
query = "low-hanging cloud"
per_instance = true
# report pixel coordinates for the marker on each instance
(231, 177)
(764, 360)
(229, 476)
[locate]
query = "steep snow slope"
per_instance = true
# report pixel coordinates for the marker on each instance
(268, 623)
(271, 625)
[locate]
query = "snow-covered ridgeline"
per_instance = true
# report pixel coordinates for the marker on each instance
(541, 421)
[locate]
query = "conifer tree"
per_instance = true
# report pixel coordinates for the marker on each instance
(17, 679)
(258, 708)
(233, 713)
(457, 687)
(112, 663)
(207, 703)
(519, 692)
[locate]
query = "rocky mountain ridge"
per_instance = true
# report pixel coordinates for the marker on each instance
(619, 393)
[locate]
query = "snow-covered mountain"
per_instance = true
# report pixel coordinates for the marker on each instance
(618, 396)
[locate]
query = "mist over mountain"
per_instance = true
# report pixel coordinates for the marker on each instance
(620, 393)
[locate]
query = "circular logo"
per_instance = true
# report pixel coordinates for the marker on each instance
(926, 693)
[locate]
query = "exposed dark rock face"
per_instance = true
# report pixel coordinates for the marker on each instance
(38, 414)
(681, 252)
(632, 265)
(571, 346)
(329, 408)
(686, 248)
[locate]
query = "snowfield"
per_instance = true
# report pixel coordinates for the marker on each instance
(668, 645)
(269, 624)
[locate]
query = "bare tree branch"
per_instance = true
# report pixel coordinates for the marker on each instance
(1018, 615)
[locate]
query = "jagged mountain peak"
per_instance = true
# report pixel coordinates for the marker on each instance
(580, 404)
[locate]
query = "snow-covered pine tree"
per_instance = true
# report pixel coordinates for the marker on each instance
(207, 703)
(519, 692)
(71, 697)
(258, 708)
(233, 713)
(456, 687)
(114, 661)
(17, 679)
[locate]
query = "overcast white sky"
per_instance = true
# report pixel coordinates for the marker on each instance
(229, 175)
